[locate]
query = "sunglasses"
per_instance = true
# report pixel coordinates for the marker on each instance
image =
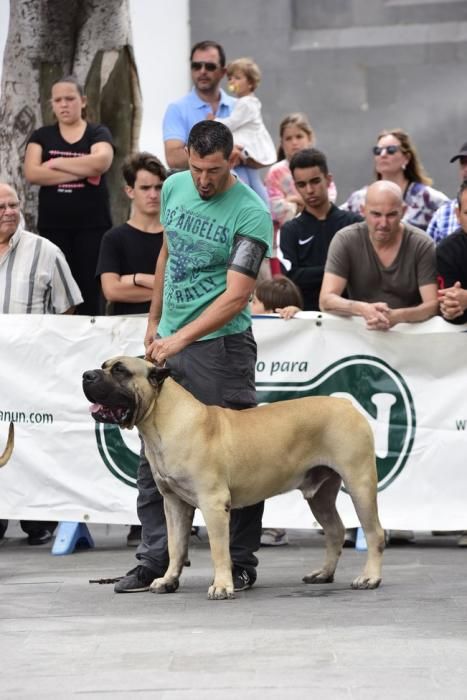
(198, 65)
(390, 150)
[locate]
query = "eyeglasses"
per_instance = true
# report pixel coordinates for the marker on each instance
(198, 65)
(390, 150)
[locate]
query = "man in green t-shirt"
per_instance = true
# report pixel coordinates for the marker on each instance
(216, 233)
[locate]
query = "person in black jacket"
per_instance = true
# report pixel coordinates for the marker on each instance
(451, 255)
(304, 241)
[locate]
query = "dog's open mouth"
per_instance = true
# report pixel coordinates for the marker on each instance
(110, 414)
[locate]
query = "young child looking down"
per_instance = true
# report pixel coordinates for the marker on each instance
(277, 295)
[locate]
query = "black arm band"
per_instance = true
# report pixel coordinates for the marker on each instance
(246, 255)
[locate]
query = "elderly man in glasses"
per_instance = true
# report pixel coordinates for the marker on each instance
(34, 279)
(206, 97)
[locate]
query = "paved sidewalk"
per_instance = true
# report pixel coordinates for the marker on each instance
(62, 637)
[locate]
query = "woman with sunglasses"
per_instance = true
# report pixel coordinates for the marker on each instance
(396, 159)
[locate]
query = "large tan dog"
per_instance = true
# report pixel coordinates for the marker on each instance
(216, 459)
(9, 446)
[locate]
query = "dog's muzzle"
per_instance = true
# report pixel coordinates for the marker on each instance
(105, 408)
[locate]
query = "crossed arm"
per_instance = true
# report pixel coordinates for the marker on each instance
(57, 171)
(117, 287)
(378, 315)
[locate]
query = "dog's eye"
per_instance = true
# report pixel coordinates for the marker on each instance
(120, 369)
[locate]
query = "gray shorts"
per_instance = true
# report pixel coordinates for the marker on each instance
(219, 372)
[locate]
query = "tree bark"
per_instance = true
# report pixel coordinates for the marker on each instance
(48, 39)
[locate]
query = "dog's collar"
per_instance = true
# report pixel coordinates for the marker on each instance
(148, 413)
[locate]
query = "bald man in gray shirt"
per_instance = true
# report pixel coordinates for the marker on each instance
(387, 267)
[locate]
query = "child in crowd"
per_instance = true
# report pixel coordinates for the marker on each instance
(246, 124)
(277, 295)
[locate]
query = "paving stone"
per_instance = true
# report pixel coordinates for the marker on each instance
(63, 637)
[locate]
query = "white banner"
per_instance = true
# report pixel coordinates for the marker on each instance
(408, 382)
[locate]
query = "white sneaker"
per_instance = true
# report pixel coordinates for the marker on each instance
(273, 537)
(462, 541)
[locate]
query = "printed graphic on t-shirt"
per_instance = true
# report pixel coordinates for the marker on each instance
(67, 187)
(198, 247)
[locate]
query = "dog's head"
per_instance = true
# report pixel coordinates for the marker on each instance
(123, 389)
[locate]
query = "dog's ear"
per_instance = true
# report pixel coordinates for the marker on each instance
(156, 376)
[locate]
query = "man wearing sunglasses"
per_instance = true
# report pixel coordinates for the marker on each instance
(445, 221)
(206, 97)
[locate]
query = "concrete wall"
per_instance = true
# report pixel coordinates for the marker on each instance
(355, 67)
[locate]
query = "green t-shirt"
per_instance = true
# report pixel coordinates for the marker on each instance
(199, 236)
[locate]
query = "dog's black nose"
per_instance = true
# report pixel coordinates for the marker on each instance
(91, 376)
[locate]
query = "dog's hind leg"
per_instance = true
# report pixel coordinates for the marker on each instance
(324, 484)
(179, 517)
(216, 514)
(363, 494)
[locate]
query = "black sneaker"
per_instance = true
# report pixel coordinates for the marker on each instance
(242, 578)
(133, 538)
(137, 580)
(41, 537)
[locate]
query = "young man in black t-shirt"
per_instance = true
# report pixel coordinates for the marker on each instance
(128, 253)
(305, 240)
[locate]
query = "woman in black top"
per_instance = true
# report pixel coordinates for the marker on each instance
(68, 160)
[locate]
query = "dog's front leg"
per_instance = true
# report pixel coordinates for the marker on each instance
(216, 514)
(179, 517)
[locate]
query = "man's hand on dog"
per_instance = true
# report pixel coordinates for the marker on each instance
(162, 348)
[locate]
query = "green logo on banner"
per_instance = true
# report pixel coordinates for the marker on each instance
(116, 455)
(375, 389)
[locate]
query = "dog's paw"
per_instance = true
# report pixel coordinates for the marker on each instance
(220, 592)
(163, 585)
(365, 583)
(318, 576)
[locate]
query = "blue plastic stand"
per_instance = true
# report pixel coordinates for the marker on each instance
(360, 542)
(71, 535)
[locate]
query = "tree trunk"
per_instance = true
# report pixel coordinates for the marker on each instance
(48, 39)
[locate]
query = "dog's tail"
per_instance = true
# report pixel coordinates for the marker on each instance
(9, 446)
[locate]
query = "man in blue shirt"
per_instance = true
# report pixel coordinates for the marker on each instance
(207, 70)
